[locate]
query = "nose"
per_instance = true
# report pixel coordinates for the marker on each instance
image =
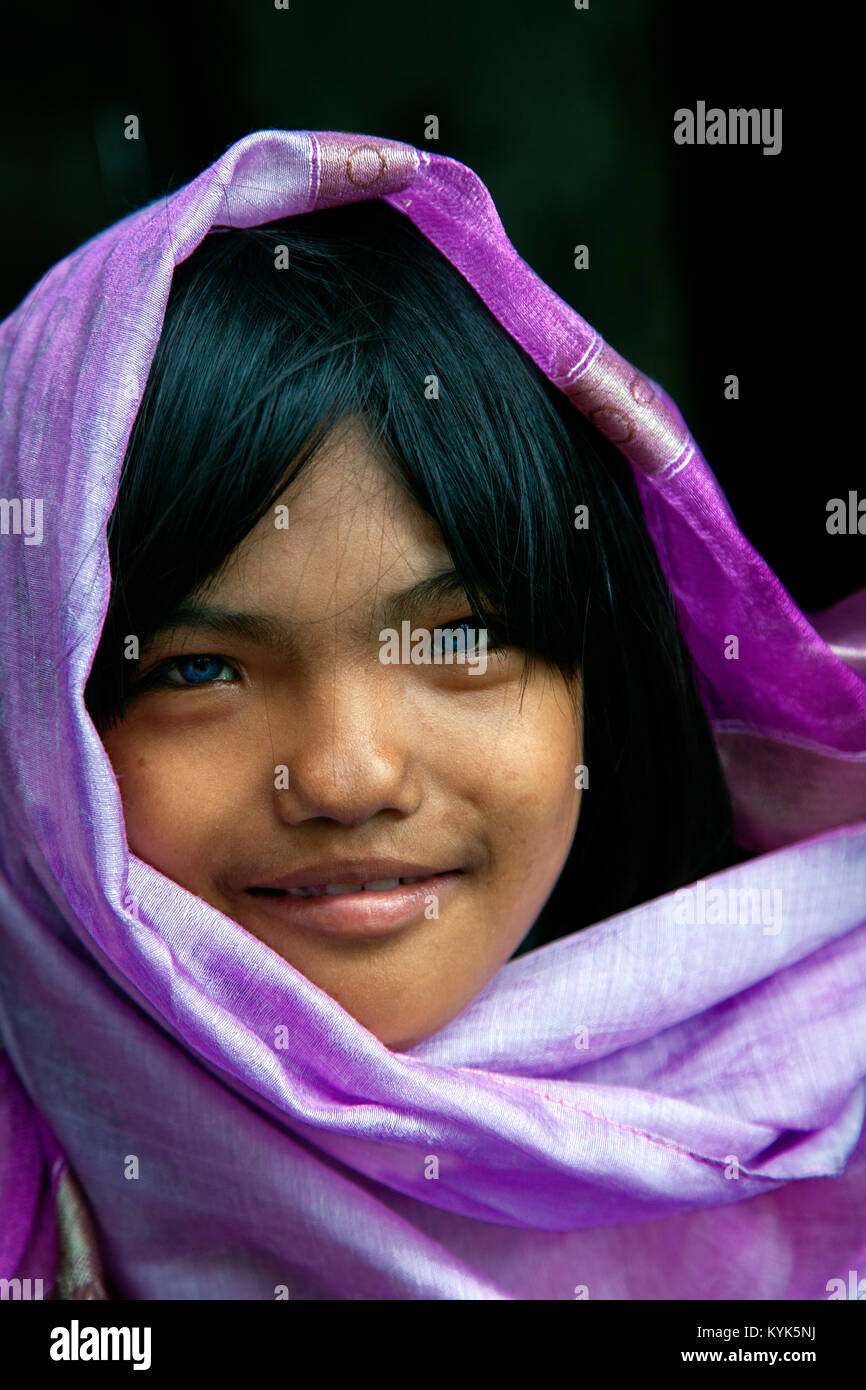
(349, 755)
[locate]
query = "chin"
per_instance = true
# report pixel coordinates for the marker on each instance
(401, 1040)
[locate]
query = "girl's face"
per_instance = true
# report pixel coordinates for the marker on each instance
(277, 745)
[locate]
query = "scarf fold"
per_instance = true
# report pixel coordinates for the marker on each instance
(657, 1106)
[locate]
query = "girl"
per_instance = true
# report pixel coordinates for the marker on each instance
(327, 974)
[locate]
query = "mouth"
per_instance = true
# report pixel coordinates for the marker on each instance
(363, 903)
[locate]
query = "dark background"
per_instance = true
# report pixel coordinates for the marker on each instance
(704, 261)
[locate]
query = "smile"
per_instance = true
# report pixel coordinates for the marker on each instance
(373, 908)
(316, 890)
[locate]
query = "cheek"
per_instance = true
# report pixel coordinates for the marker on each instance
(525, 780)
(174, 798)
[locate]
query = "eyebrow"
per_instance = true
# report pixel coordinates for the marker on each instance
(268, 631)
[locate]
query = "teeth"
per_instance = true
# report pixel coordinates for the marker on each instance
(335, 890)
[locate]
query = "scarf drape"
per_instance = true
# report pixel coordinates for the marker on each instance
(708, 1141)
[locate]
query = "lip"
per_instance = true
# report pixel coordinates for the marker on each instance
(351, 871)
(363, 915)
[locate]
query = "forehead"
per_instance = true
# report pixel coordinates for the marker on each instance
(344, 533)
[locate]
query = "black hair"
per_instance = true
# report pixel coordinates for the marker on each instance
(271, 336)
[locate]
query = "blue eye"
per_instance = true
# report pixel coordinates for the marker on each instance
(194, 670)
(451, 638)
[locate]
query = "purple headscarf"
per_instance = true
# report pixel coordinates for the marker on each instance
(651, 1107)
